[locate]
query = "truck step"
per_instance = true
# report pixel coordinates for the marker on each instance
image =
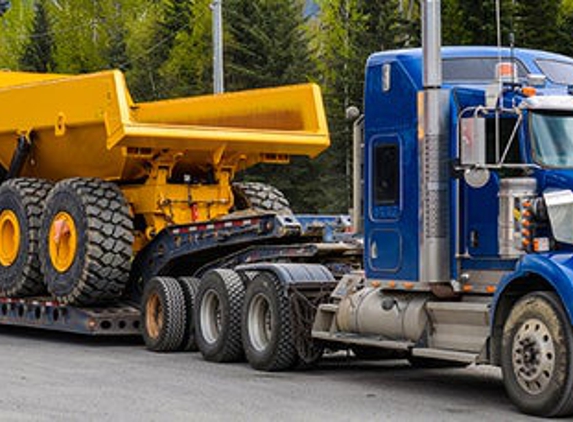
(445, 355)
(119, 319)
(362, 340)
(459, 326)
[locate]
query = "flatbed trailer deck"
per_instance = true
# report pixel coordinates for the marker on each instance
(229, 243)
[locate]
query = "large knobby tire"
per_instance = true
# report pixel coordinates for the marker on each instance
(267, 334)
(537, 356)
(218, 316)
(189, 285)
(86, 246)
(164, 314)
(260, 197)
(21, 206)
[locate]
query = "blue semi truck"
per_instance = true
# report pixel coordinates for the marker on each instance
(465, 185)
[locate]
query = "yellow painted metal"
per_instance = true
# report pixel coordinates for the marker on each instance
(8, 78)
(63, 241)
(9, 237)
(88, 126)
(163, 204)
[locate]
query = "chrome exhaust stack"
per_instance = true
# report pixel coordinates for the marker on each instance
(433, 154)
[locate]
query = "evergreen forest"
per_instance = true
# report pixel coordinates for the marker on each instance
(165, 49)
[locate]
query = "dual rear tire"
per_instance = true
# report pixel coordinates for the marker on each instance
(232, 323)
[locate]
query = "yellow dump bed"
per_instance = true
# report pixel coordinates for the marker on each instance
(89, 126)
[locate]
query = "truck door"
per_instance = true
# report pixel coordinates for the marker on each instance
(391, 227)
(390, 173)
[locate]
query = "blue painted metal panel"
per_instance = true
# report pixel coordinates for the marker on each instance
(481, 210)
(556, 268)
(391, 119)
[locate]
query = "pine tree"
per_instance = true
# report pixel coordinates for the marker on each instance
(536, 24)
(15, 25)
(476, 22)
(267, 45)
(89, 35)
(38, 54)
(187, 69)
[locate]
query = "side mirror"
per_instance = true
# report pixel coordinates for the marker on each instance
(477, 177)
(352, 113)
(472, 141)
(473, 151)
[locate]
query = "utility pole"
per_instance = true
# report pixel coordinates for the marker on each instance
(218, 77)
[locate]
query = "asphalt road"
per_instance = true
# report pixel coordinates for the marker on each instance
(61, 377)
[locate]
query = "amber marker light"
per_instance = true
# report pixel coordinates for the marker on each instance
(467, 288)
(528, 91)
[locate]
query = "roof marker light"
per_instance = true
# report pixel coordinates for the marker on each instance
(506, 72)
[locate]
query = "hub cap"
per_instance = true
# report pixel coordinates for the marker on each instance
(9, 237)
(533, 356)
(211, 316)
(260, 322)
(153, 315)
(63, 241)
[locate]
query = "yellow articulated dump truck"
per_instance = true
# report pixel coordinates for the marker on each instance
(114, 214)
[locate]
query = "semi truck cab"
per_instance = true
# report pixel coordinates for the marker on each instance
(468, 224)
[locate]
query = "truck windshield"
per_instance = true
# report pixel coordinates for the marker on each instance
(552, 135)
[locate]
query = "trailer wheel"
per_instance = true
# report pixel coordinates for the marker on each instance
(537, 356)
(21, 205)
(163, 314)
(189, 285)
(261, 197)
(86, 242)
(218, 316)
(267, 334)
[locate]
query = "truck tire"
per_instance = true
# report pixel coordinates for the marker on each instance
(86, 246)
(21, 206)
(260, 197)
(163, 314)
(267, 334)
(537, 356)
(218, 316)
(189, 285)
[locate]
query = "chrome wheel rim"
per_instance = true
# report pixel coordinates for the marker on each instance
(211, 316)
(533, 356)
(260, 322)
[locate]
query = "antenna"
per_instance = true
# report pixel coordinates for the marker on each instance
(500, 87)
